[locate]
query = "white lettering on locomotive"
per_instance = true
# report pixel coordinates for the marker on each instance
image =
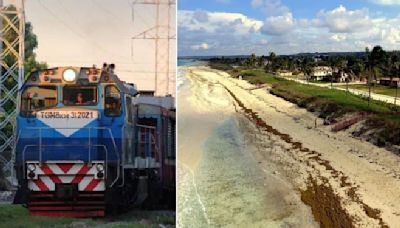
(67, 122)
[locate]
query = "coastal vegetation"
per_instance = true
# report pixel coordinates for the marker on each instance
(382, 122)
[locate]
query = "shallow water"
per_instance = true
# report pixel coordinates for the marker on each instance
(226, 187)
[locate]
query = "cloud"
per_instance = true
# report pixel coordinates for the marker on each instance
(203, 46)
(335, 29)
(338, 37)
(270, 7)
(386, 2)
(341, 20)
(212, 21)
(278, 25)
(200, 16)
(257, 3)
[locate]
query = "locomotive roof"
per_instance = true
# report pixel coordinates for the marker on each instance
(83, 76)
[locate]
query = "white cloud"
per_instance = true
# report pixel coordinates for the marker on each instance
(337, 29)
(386, 2)
(215, 21)
(270, 7)
(200, 16)
(338, 37)
(278, 25)
(341, 20)
(202, 46)
(264, 41)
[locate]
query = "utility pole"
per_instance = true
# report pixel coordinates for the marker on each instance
(161, 34)
(12, 35)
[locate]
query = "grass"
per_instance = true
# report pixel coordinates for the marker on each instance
(378, 89)
(18, 216)
(331, 103)
(258, 76)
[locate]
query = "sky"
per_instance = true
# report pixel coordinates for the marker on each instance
(237, 27)
(83, 33)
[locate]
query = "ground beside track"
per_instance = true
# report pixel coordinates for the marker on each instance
(18, 216)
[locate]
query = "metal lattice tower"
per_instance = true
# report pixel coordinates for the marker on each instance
(12, 33)
(163, 38)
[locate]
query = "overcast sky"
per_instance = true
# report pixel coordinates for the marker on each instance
(87, 32)
(230, 27)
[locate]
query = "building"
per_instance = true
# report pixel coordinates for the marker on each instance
(320, 72)
(387, 82)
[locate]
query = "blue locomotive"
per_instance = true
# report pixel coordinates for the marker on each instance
(87, 143)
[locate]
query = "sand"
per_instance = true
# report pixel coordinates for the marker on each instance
(353, 180)
(220, 181)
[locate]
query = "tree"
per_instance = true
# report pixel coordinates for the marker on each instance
(375, 60)
(30, 65)
(307, 67)
(333, 63)
(252, 60)
(272, 60)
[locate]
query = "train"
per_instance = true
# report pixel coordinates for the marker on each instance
(88, 144)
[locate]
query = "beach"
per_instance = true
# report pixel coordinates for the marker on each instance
(220, 181)
(334, 178)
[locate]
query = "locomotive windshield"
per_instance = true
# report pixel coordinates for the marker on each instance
(36, 98)
(112, 101)
(73, 95)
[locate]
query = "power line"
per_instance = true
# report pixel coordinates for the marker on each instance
(104, 9)
(82, 36)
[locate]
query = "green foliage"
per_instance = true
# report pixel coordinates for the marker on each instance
(18, 216)
(220, 66)
(258, 76)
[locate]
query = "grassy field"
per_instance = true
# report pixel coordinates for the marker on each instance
(341, 98)
(378, 89)
(17, 216)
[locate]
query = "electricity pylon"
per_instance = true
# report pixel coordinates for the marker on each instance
(163, 38)
(12, 33)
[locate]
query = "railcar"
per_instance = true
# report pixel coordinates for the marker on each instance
(88, 144)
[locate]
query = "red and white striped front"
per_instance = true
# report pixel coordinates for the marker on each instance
(45, 176)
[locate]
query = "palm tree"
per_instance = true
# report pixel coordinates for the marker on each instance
(272, 61)
(252, 60)
(333, 63)
(307, 67)
(375, 59)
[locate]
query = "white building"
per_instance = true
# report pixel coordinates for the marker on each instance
(320, 72)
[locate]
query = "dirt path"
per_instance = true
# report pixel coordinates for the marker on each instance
(347, 182)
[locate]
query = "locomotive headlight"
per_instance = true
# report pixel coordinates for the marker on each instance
(31, 167)
(100, 167)
(69, 75)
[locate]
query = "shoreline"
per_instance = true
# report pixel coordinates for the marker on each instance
(352, 170)
(218, 159)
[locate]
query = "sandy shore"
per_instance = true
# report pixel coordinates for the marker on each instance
(342, 178)
(221, 183)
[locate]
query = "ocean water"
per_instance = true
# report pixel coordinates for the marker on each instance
(180, 80)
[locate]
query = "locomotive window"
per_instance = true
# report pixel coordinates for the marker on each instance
(82, 95)
(112, 101)
(37, 98)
